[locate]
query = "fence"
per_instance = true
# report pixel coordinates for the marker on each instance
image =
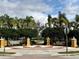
(15, 42)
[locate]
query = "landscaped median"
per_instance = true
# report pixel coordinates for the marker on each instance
(7, 53)
(70, 53)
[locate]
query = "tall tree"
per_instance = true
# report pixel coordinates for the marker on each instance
(63, 19)
(2, 20)
(77, 18)
(8, 21)
(49, 20)
(14, 22)
(28, 20)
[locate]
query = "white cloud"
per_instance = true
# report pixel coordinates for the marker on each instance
(71, 8)
(54, 16)
(25, 5)
(22, 8)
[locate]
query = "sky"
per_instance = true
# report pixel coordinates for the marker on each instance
(39, 9)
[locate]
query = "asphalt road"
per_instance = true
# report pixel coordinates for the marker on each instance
(41, 57)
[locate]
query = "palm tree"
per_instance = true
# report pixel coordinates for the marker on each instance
(30, 21)
(8, 21)
(49, 20)
(1, 21)
(20, 23)
(14, 23)
(77, 18)
(55, 21)
(63, 19)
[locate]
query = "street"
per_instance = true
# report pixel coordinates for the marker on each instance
(40, 57)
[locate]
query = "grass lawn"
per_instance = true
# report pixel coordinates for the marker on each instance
(6, 53)
(70, 52)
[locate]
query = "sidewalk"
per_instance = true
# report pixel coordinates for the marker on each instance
(53, 51)
(39, 53)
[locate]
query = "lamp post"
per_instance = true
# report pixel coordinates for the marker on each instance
(66, 31)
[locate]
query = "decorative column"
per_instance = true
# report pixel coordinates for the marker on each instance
(28, 42)
(74, 42)
(2, 43)
(48, 41)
